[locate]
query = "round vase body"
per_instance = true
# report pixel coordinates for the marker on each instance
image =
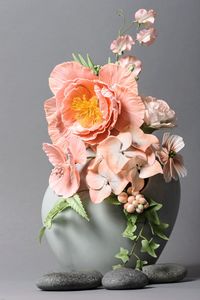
(82, 245)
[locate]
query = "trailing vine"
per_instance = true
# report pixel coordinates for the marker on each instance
(137, 224)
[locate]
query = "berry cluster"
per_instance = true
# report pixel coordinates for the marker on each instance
(133, 201)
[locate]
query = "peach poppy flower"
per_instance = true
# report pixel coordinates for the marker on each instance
(91, 106)
(158, 114)
(121, 44)
(173, 166)
(132, 63)
(64, 179)
(146, 17)
(147, 36)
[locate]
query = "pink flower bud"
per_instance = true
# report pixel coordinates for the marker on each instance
(123, 197)
(147, 36)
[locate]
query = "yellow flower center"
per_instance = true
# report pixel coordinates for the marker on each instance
(86, 111)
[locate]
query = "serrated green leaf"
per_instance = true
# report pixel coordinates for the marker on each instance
(76, 204)
(58, 208)
(75, 58)
(41, 233)
(82, 60)
(140, 264)
(123, 255)
(149, 247)
(117, 267)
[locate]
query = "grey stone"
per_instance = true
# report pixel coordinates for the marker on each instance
(124, 278)
(70, 281)
(165, 273)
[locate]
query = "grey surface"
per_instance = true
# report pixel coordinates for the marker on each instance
(35, 36)
(23, 290)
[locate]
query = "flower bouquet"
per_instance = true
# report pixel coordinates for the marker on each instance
(105, 152)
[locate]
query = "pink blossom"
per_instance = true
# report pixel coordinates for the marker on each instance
(121, 44)
(132, 63)
(173, 166)
(147, 36)
(142, 16)
(158, 114)
(64, 179)
(102, 181)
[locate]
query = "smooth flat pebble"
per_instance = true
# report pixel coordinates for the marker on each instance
(70, 281)
(124, 278)
(164, 273)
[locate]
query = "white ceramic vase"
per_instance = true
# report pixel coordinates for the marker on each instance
(82, 245)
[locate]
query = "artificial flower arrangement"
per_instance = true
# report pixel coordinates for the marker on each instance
(101, 130)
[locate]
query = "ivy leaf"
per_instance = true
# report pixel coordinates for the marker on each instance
(41, 233)
(152, 216)
(159, 230)
(131, 217)
(129, 231)
(149, 247)
(155, 205)
(123, 255)
(76, 204)
(58, 208)
(116, 267)
(140, 263)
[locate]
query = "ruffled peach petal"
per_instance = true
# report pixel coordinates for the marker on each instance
(118, 183)
(68, 71)
(66, 185)
(125, 139)
(151, 170)
(132, 109)
(54, 153)
(114, 75)
(97, 196)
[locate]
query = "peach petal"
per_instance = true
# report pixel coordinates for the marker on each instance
(97, 196)
(113, 75)
(151, 170)
(68, 71)
(55, 155)
(95, 181)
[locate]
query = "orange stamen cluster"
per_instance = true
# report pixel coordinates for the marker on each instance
(86, 111)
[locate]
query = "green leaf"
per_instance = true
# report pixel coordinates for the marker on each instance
(149, 247)
(123, 255)
(140, 264)
(129, 231)
(117, 267)
(159, 230)
(131, 217)
(82, 60)
(41, 233)
(76, 204)
(112, 199)
(155, 205)
(152, 216)
(90, 62)
(58, 208)
(75, 58)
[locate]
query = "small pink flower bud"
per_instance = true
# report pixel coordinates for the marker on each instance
(130, 191)
(139, 211)
(140, 206)
(142, 201)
